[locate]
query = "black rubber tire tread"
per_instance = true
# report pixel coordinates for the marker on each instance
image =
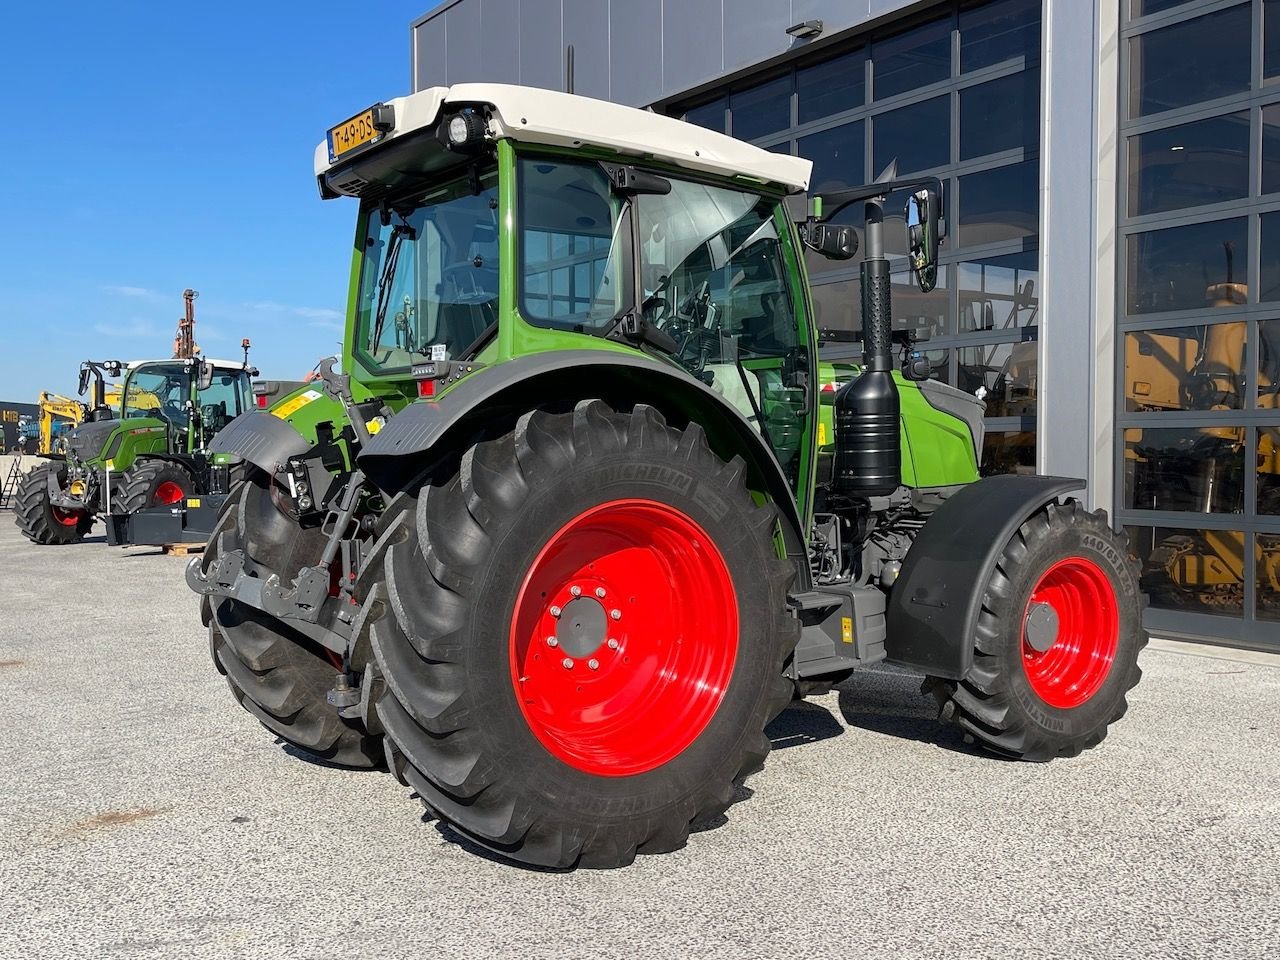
(454, 731)
(137, 485)
(994, 703)
(280, 676)
(33, 513)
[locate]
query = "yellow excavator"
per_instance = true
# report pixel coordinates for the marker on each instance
(1201, 370)
(46, 433)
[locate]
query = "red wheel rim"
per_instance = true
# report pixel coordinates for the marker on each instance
(1076, 665)
(647, 582)
(166, 493)
(68, 518)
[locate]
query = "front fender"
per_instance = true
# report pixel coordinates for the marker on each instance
(933, 607)
(260, 438)
(510, 388)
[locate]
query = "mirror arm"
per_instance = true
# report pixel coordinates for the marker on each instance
(842, 199)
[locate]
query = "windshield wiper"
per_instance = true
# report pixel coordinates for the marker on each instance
(398, 233)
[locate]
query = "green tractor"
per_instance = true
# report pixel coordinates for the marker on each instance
(587, 506)
(151, 452)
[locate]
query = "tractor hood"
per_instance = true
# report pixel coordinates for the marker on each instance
(88, 439)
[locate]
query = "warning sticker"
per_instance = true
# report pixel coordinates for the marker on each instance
(290, 407)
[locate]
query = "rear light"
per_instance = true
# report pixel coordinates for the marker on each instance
(426, 388)
(262, 401)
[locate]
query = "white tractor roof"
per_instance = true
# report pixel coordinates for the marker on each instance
(218, 364)
(533, 115)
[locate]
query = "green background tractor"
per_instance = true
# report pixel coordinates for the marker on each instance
(588, 506)
(152, 451)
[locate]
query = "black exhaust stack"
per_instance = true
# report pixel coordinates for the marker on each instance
(868, 460)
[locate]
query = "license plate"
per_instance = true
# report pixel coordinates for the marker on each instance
(351, 134)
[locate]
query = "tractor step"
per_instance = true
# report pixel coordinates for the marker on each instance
(841, 627)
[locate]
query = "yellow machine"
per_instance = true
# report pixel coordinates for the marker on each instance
(58, 414)
(1175, 370)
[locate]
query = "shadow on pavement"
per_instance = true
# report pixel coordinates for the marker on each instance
(802, 723)
(890, 703)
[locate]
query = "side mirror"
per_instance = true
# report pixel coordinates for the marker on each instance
(204, 379)
(923, 216)
(84, 381)
(830, 240)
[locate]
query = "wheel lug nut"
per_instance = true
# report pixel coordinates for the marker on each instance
(567, 663)
(613, 644)
(615, 614)
(600, 592)
(554, 611)
(593, 664)
(552, 642)
(576, 590)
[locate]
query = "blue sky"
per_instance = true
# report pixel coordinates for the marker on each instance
(148, 147)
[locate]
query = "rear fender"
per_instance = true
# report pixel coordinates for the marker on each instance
(264, 440)
(425, 430)
(933, 606)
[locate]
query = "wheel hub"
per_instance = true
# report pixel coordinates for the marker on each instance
(623, 638)
(1070, 632)
(582, 627)
(1041, 626)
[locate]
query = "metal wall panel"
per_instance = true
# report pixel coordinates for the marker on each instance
(840, 14)
(755, 30)
(541, 52)
(464, 49)
(692, 38)
(635, 49)
(501, 44)
(429, 67)
(586, 26)
(1066, 237)
(632, 51)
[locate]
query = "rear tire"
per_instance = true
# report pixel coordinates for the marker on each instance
(276, 673)
(39, 520)
(151, 483)
(556, 765)
(1019, 701)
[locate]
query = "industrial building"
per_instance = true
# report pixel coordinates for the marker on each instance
(1111, 280)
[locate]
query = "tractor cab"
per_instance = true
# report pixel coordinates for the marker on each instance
(193, 399)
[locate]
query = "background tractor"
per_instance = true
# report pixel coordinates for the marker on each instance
(586, 508)
(150, 450)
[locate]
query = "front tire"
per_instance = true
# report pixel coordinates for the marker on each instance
(38, 519)
(278, 675)
(151, 483)
(582, 638)
(1057, 640)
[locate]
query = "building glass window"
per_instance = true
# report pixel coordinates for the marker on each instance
(1142, 8)
(1269, 267)
(831, 87)
(918, 137)
(1191, 570)
(838, 155)
(995, 32)
(1200, 367)
(1000, 204)
(710, 115)
(1188, 165)
(913, 59)
(1190, 62)
(1271, 38)
(1198, 398)
(965, 93)
(999, 293)
(1000, 115)
(1188, 268)
(761, 110)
